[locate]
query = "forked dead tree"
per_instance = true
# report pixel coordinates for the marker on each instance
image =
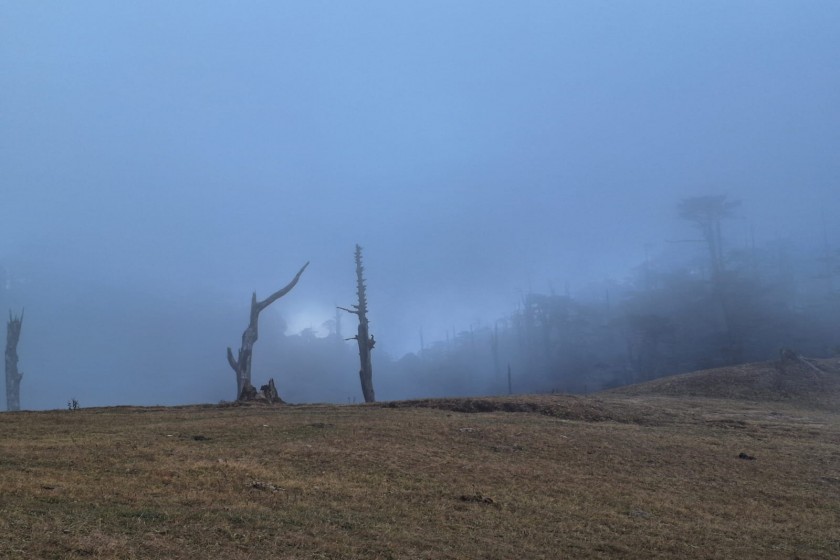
(363, 337)
(242, 363)
(13, 376)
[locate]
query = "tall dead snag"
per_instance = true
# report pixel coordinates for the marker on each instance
(242, 363)
(707, 212)
(363, 336)
(13, 376)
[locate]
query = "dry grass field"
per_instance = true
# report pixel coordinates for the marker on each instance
(650, 472)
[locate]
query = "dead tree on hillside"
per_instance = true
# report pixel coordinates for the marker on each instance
(242, 364)
(13, 376)
(363, 336)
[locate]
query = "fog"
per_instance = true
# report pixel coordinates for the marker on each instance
(160, 161)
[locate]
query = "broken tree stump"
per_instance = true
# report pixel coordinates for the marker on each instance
(13, 376)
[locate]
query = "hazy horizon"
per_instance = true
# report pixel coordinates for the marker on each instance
(163, 160)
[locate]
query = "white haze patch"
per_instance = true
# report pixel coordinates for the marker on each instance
(312, 317)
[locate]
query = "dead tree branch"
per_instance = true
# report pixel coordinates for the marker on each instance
(241, 364)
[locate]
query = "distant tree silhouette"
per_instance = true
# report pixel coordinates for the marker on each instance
(707, 212)
(646, 335)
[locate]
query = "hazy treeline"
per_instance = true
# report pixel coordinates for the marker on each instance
(701, 302)
(669, 318)
(694, 306)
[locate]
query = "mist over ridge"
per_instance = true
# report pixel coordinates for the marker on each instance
(160, 163)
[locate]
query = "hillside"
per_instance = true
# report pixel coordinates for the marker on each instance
(617, 476)
(794, 379)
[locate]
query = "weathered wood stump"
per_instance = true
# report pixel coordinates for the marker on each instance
(13, 376)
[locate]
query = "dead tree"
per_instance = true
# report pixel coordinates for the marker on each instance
(242, 363)
(13, 376)
(363, 337)
(707, 213)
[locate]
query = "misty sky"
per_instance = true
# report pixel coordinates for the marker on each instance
(191, 152)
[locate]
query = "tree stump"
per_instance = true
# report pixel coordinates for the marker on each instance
(13, 376)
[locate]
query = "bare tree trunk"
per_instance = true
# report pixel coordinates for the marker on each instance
(494, 346)
(365, 341)
(13, 376)
(707, 212)
(242, 364)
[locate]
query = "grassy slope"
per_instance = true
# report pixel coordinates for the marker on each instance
(618, 476)
(810, 383)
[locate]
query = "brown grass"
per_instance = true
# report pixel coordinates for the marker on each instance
(529, 477)
(813, 383)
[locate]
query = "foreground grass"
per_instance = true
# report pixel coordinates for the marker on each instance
(632, 477)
